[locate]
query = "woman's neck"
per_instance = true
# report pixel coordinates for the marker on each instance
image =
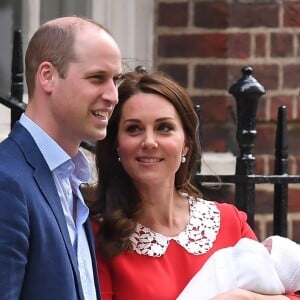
(166, 212)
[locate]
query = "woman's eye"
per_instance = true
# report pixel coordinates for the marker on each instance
(133, 128)
(165, 127)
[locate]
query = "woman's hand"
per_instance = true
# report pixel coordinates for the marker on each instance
(240, 294)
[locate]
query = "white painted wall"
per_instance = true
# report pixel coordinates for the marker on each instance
(131, 23)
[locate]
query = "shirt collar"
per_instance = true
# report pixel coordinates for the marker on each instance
(57, 156)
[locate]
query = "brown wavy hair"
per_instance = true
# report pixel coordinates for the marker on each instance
(116, 202)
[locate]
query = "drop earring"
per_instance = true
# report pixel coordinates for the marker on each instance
(119, 159)
(183, 159)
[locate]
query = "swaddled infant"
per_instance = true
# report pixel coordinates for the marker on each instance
(270, 267)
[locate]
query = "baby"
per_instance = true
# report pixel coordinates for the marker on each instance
(270, 267)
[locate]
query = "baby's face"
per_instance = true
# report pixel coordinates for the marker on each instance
(268, 244)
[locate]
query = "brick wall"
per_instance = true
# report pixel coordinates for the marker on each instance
(205, 44)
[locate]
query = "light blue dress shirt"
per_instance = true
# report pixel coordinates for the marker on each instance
(68, 174)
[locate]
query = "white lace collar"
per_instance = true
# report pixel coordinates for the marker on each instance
(197, 238)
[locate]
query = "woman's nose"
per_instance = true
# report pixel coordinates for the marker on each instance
(149, 141)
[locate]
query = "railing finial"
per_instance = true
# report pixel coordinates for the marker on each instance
(246, 92)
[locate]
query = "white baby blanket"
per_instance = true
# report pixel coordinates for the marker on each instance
(270, 267)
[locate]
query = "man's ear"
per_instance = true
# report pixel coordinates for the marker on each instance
(45, 76)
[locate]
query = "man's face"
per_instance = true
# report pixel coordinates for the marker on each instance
(84, 100)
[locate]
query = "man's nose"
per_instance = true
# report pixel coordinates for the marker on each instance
(110, 92)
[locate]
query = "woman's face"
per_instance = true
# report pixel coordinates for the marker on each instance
(151, 140)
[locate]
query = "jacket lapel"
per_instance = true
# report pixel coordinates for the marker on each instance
(44, 180)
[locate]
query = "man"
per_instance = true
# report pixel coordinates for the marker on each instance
(46, 246)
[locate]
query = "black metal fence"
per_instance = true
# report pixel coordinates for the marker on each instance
(246, 92)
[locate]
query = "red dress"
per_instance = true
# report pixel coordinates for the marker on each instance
(160, 267)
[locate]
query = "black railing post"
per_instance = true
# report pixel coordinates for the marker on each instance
(246, 92)
(17, 76)
(281, 168)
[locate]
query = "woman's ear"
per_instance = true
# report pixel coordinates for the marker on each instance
(185, 149)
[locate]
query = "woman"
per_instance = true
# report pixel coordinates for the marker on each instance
(154, 231)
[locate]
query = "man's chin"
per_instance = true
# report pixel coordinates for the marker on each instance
(96, 135)
(101, 135)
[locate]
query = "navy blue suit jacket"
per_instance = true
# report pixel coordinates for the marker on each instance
(37, 261)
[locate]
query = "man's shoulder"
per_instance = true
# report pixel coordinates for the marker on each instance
(12, 158)
(8, 149)
(12, 162)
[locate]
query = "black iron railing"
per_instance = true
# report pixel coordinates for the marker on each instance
(247, 92)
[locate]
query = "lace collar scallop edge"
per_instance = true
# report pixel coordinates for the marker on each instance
(197, 237)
